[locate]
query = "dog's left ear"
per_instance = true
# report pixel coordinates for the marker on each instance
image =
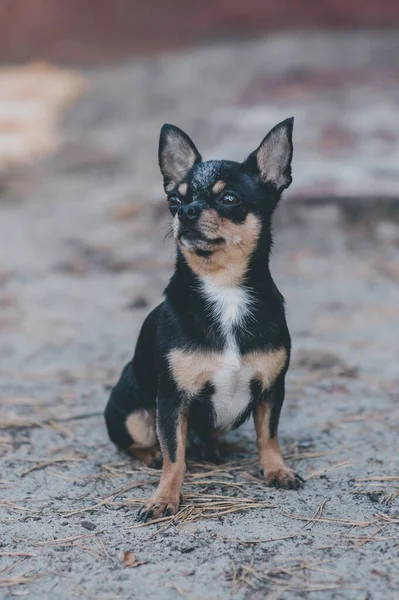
(177, 154)
(271, 161)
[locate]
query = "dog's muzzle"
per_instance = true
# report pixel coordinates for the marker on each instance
(191, 232)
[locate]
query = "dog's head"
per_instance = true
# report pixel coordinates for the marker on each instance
(220, 205)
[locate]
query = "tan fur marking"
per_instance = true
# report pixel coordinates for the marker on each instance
(266, 365)
(141, 427)
(219, 186)
(269, 449)
(171, 185)
(191, 370)
(183, 189)
(229, 261)
(270, 457)
(145, 455)
(167, 495)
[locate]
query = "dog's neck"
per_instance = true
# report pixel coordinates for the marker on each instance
(246, 267)
(192, 292)
(212, 308)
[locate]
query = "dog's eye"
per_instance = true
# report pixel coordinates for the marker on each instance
(229, 200)
(174, 200)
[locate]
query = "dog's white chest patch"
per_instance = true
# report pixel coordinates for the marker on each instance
(231, 380)
(232, 389)
(230, 304)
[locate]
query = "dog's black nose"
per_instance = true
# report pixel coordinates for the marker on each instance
(188, 212)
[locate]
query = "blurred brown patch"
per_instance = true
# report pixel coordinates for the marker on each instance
(128, 210)
(32, 98)
(87, 259)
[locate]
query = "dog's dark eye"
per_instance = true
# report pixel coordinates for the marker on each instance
(174, 200)
(229, 200)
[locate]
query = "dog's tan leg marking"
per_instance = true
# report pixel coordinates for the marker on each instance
(146, 455)
(272, 463)
(141, 427)
(166, 499)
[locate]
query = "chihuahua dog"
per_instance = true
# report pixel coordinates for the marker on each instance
(217, 349)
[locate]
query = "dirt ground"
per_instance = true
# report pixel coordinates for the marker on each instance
(83, 259)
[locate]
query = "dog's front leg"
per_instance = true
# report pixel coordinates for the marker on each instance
(172, 432)
(266, 417)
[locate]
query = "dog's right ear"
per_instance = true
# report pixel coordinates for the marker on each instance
(271, 161)
(177, 154)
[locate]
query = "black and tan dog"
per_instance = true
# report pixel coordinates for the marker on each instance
(217, 349)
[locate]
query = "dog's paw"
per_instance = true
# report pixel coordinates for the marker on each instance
(150, 457)
(284, 478)
(157, 508)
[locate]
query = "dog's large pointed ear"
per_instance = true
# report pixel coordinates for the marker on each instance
(177, 154)
(271, 161)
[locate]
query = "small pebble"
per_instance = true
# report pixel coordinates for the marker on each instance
(88, 525)
(374, 497)
(139, 302)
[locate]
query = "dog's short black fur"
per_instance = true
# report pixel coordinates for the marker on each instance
(217, 349)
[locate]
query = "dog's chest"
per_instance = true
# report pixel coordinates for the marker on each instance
(232, 376)
(232, 384)
(228, 371)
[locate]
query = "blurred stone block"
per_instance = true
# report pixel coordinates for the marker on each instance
(97, 30)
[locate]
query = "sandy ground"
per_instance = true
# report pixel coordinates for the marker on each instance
(83, 260)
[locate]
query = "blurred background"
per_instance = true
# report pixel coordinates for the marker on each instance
(90, 31)
(226, 70)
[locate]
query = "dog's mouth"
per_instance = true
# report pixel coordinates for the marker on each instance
(192, 239)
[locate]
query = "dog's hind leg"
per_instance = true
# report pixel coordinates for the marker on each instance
(142, 430)
(130, 420)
